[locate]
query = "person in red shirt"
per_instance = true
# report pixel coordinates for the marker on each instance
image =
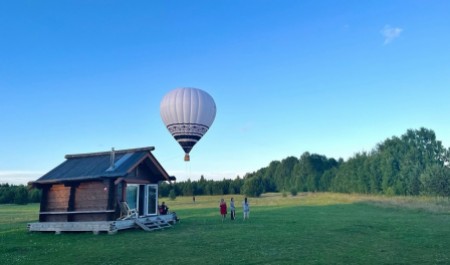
(223, 209)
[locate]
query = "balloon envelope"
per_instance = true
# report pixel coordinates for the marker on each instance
(188, 113)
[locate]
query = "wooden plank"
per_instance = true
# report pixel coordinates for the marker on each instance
(87, 205)
(57, 187)
(70, 226)
(100, 194)
(90, 217)
(141, 225)
(150, 223)
(123, 224)
(56, 218)
(163, 222)
(76, 212)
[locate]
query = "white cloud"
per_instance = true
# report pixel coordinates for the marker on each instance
(17, 177)
(389, 33)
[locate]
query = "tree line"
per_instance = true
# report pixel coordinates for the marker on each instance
(18, 194)
(202, 187)
(415, 163)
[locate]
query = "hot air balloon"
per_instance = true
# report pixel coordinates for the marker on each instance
(187, 113)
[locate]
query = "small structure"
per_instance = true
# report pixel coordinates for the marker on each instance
(105, 191)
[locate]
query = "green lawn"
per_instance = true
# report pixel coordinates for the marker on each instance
(306, 229)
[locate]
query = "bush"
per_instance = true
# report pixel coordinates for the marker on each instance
(390, 191)
(293, 191)
(172, 194)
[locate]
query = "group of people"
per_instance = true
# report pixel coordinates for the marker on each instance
(163, 209)
(223, 209)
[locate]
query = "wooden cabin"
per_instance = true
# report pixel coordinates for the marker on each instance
(93, 186)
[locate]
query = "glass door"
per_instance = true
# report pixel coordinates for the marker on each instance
(152, 199)
(143, 198)
(132, 194)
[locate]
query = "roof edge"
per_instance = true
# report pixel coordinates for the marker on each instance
(140, 149)
(73, 179)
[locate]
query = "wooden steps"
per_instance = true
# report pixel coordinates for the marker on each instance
(153, 224)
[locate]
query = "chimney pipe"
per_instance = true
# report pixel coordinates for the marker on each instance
(113, 158)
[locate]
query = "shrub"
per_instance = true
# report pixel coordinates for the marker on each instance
(294, 191)
(172, 194)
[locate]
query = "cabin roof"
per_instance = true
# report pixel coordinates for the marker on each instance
(89, 166)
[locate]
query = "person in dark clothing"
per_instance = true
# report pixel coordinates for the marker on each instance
(232, 209)
(163, 209)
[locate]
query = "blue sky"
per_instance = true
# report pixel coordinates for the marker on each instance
(328, 77)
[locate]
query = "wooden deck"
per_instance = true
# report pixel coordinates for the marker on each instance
(148, 223)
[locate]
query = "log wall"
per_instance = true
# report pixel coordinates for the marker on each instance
(85, 201)
(92, 196)
(57, 198)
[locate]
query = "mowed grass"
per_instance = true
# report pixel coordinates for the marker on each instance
(321, 228)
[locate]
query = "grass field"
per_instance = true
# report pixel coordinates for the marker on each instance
(322, 228)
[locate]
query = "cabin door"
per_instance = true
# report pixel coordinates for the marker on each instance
(151, 200)
(132, 198)
(143, 198)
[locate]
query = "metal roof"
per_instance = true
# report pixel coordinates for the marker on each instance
(98, 165)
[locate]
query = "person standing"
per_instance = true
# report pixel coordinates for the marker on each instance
(223, 209)
(246, 208)
(232, 209)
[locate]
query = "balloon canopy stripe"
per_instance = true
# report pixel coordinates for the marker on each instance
(187, 129)
(186, 137)
(187, 123)
(187, 145)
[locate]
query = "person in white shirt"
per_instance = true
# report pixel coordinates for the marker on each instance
(232, 209)
(246, 208)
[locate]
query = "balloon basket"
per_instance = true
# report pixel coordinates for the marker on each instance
(186, 158)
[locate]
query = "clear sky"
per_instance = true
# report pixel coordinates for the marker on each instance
(327, 77)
